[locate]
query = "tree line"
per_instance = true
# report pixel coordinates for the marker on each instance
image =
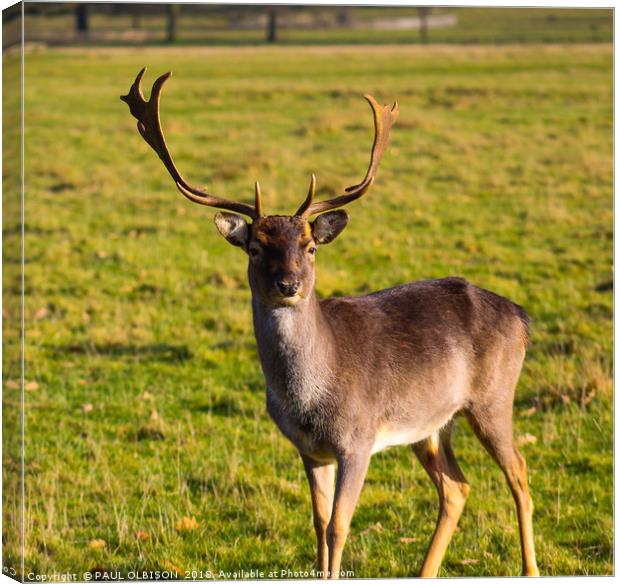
(273, 14)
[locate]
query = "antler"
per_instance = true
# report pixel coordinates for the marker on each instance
(149, 126)
(384, 118)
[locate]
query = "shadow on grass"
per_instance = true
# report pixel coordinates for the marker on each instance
(162, 352)
(225, 407)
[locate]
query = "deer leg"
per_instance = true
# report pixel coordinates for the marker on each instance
(438, 460)
(516, 474)
(495, 433)
(321, 481)
(349, 482)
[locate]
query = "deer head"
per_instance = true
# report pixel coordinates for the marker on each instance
(281, 249)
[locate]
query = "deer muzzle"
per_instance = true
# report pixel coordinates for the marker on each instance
(288, 288)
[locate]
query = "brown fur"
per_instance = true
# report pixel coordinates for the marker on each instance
(281, 230)
(347, 376)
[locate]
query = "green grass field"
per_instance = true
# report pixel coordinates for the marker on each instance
(144, 398)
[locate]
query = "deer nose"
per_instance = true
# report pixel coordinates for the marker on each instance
(288, 288)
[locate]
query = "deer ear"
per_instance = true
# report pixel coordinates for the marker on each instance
(233, 227)
(327, 227)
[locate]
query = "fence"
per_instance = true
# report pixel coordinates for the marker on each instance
(82, 23)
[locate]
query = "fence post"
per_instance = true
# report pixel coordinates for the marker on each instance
(423, 12)
(135, 16)
(272, 25)
(81, 19)
(173, 13)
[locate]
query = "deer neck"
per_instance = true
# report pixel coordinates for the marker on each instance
(295, 345)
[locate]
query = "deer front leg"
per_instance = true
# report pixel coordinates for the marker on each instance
(351, 474)
(321, 481)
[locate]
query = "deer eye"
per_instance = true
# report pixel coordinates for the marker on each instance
(312, 250)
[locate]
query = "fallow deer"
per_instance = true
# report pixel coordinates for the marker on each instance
(348, 377)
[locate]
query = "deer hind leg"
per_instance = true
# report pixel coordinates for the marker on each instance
(438, 459)
(321, 481)
(493, 426)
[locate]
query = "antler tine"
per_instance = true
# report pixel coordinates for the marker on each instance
(384, 118)
(302, 211)
(149, 126)
(258, 200)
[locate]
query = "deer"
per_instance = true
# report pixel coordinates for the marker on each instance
(347, 377)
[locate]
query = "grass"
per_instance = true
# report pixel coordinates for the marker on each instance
(145, 401)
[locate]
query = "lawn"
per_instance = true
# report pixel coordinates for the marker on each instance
(145, 402)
